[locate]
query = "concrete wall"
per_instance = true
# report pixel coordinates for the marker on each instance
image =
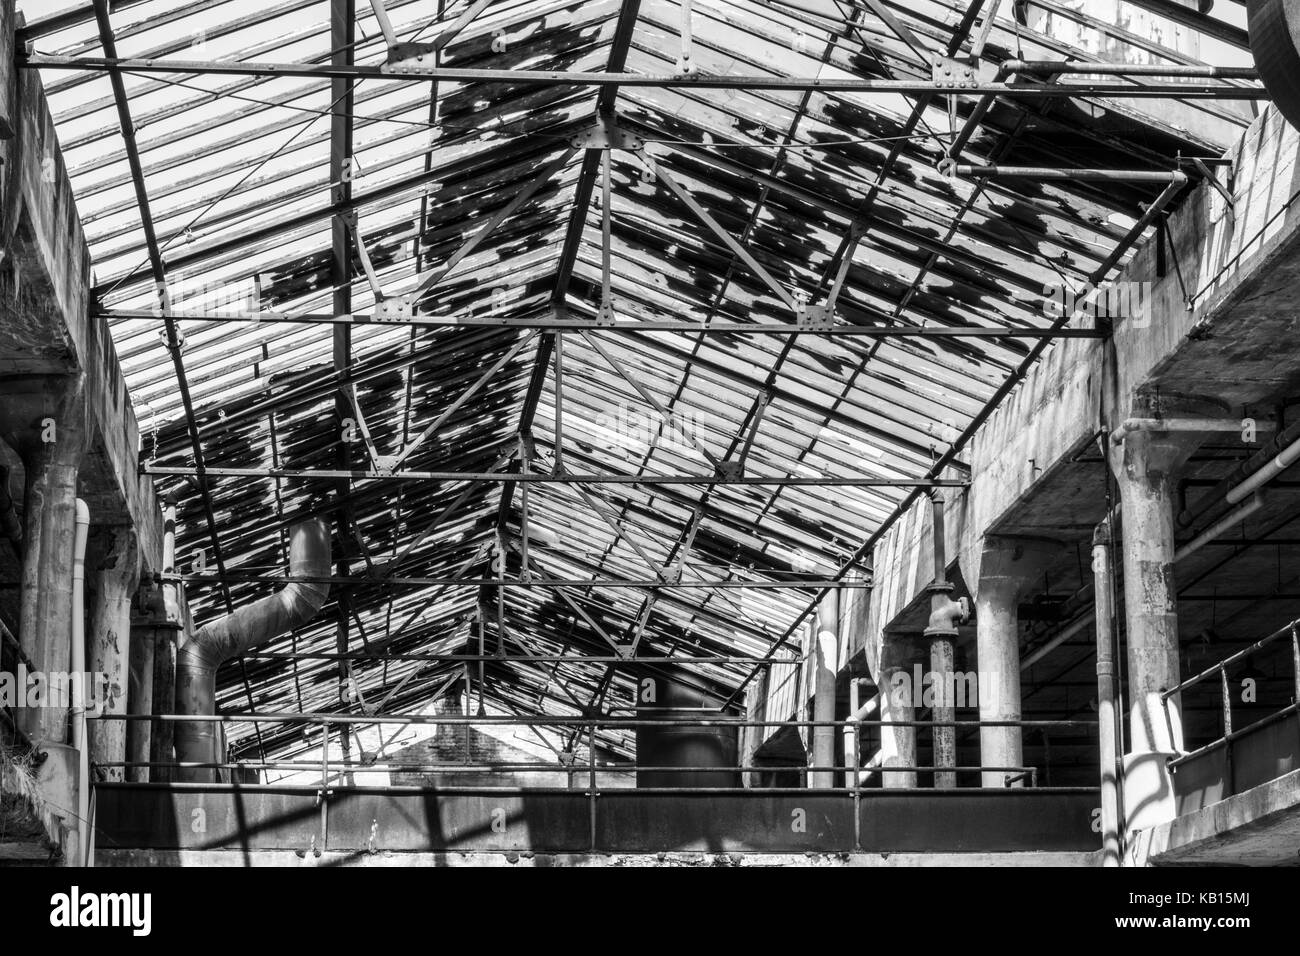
(46, 318)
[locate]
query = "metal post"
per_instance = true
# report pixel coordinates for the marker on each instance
(1103, 583)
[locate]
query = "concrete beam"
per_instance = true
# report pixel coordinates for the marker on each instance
(1210, 325)
(1260, 827)
(46, 326)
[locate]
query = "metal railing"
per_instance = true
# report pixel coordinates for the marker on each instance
(332, 769)
(1230, 733)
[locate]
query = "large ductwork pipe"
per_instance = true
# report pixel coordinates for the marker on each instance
(1274, 27)
(251, 626)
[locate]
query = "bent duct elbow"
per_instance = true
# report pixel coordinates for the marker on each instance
(245, 629)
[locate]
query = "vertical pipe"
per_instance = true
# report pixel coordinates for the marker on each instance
(1103, 589)
(140, 701)
(81, 682)
(852, 743)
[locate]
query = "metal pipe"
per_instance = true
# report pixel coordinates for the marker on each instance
(1178, 425)
(1130, 69)
(1274, 467)
(202, 653)
(1108, 741)
(1229, 520)
(80, 682)
(1072, 175)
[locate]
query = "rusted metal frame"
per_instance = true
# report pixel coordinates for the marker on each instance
(464, 396)
(683, 544)
(559, 589)
(454, 29)
(845, 255)
(668, 417)
(559, 322)
(343, 17)
(606, 299)
(495, 475)
(941, 464)
(701, 660)
(737, 248)
(437, 522)
(702, 504)
(614, 79)
(752, 631)
(900, 30)
(308, 217)
(501, 215)
(553, 672)
(606, 100)
(603, 511)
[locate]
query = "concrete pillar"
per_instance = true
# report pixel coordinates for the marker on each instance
(1145, 471)
(43, 417)
(897, 702)
(824, 658)
(114, 575)
(1007, 567)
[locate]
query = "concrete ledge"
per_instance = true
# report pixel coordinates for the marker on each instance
(148, 858)
(1260, 827)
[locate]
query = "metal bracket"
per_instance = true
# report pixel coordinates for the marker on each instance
(730, 470)
(954, 74)
(408, 58)
(813, 316)
(605, 133)
(605, 314)
(393, 310)
(386, 464)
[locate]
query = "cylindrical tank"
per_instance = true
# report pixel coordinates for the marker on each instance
(1274, 27)
(664, 693)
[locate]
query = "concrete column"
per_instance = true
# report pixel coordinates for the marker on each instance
(1007, 567)
(825, 654)
(897, 744)
(1145, 474)
(43, 417)
(114, 575)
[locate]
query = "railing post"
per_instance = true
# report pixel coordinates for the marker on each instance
(591, 781)
(323, 797)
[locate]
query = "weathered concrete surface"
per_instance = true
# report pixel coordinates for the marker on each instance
(148, 858)
(1260, 827)
(1240, 269)
(46, 324)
